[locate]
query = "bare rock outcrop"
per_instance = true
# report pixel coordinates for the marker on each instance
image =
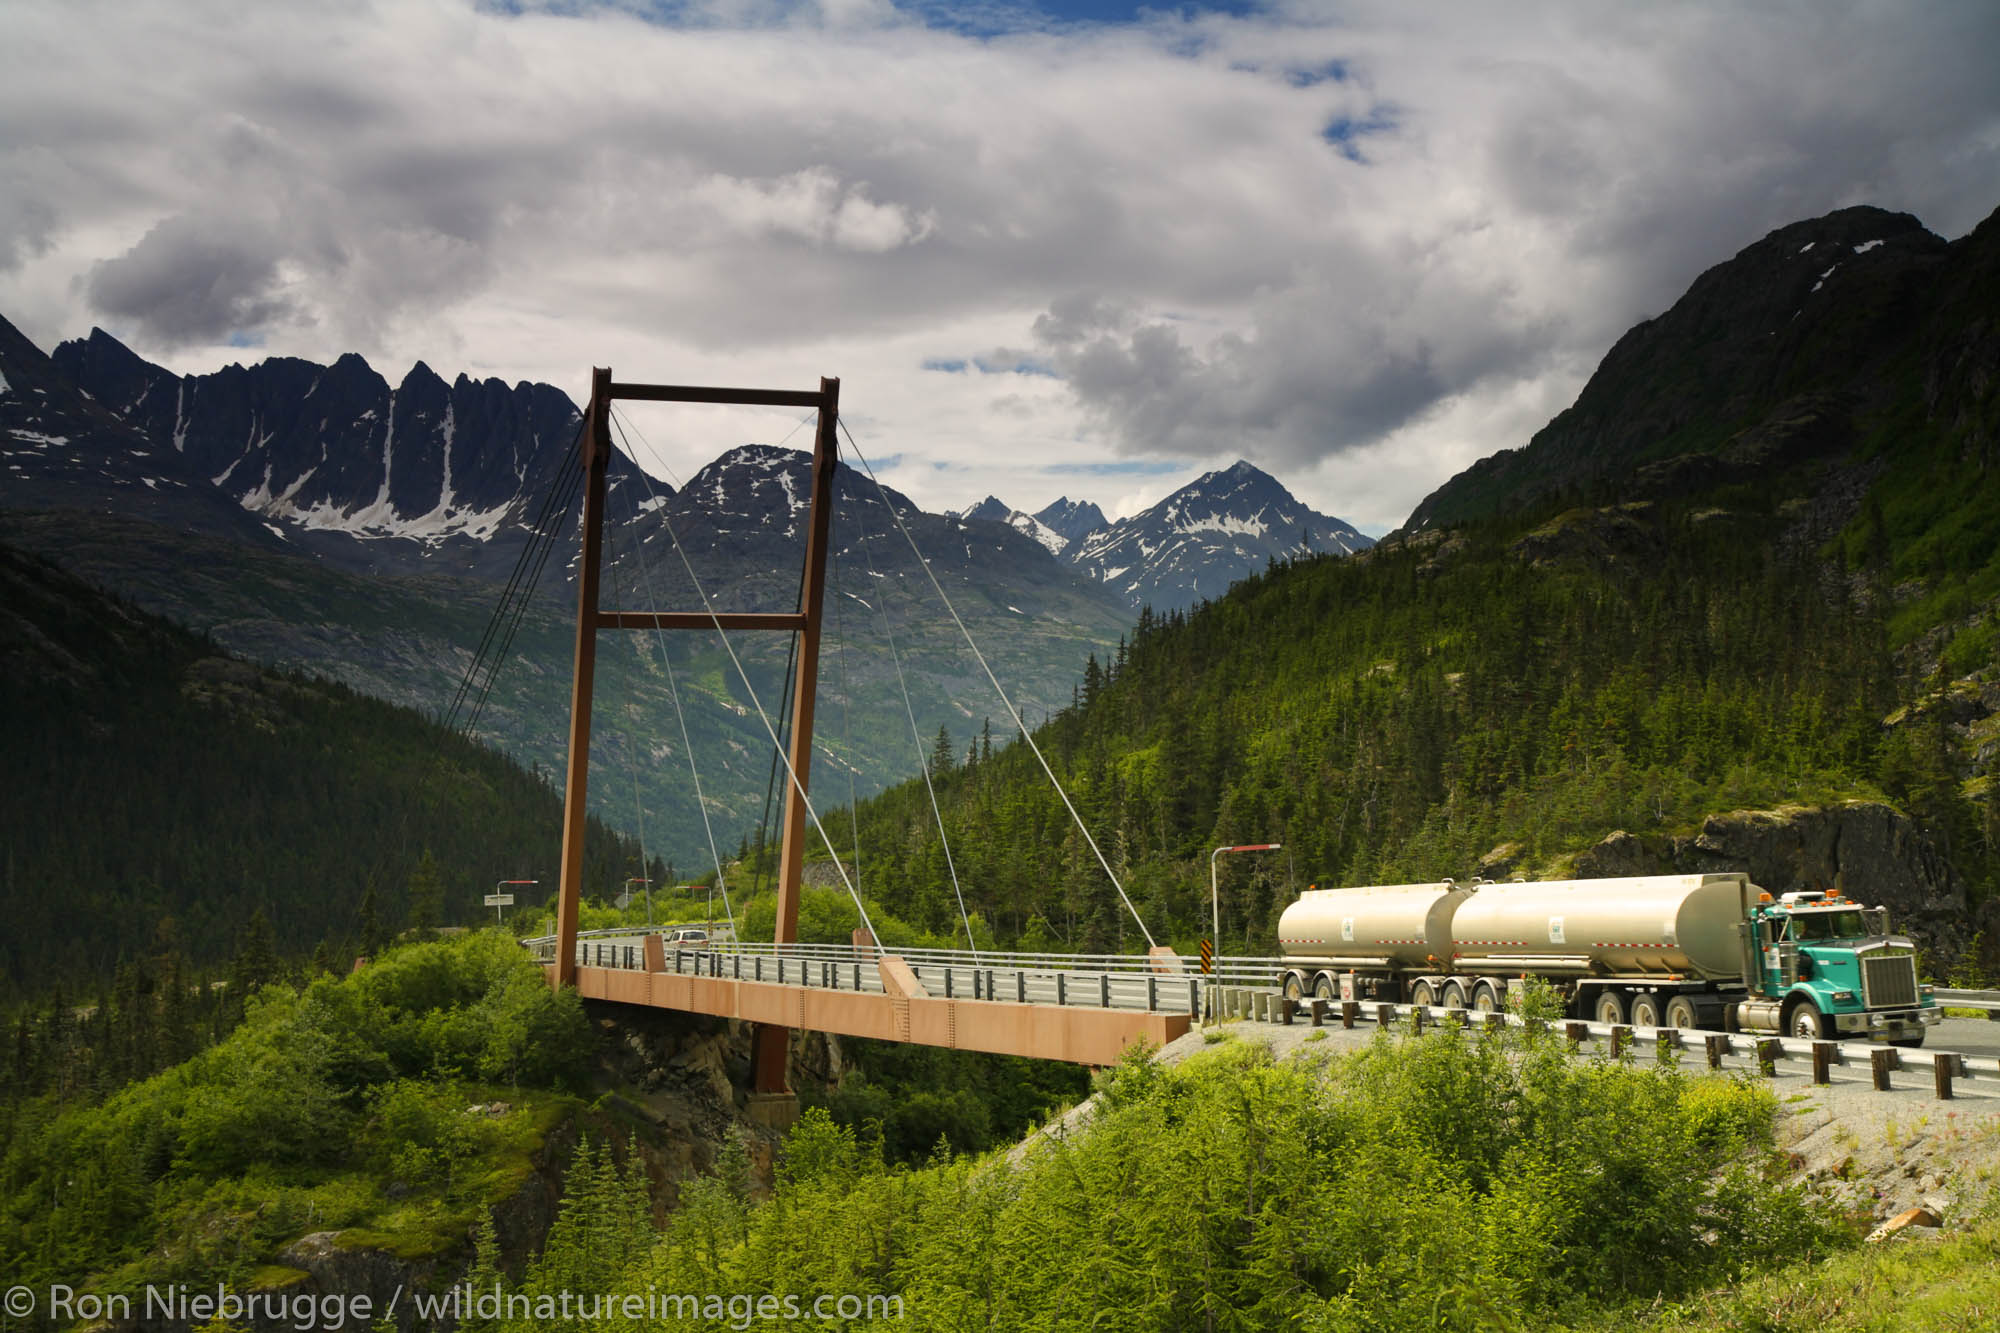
(1866, 849)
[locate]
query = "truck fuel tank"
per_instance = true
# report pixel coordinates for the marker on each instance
(1390, 925)
(1648, 924)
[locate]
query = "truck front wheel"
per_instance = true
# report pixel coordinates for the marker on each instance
(1806, 1021)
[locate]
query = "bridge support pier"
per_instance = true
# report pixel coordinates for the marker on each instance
(770, 1052)
(773, 1110)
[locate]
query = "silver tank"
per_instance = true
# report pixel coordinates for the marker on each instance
(1647, 924)
(1389, 925)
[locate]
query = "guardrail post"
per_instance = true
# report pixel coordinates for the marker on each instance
(947, 985)
(1418, 1013)
(1020, 986)
(1717, 1045)
(1349, 1009)
(1574, 1033)
(1768, 1051)
(857, 976)
(1943, 1066)
(1103, 990)
(1385, 1015)
(1822, 1061)
(1620, 1035)
(1880, 1061)
(1062, 989)
(1496, 1022)
(1194, 995)
(1287, 1007)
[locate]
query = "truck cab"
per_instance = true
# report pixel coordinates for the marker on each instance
(1828, 967)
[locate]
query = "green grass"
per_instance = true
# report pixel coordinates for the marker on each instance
(1949, 1282)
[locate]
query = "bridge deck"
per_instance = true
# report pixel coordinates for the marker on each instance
(1041, 1006)
(1042, 1031)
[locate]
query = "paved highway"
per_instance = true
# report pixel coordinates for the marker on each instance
(1967, 1036)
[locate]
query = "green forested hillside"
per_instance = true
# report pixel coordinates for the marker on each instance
(1398, 716)
(159, 792)
(1744, 570)
(338, 1105)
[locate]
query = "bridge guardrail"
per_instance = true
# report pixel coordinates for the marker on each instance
(1988, 1000)
(1134, 982)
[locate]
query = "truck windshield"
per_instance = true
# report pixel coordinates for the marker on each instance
(1843, 925)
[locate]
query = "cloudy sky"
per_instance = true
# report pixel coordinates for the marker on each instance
(1084, 248)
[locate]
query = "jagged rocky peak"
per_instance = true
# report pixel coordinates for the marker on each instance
(1217, 529)
(1071, 519)
(334, 457)
(992, 510)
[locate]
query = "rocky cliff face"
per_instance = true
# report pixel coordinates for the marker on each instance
(1866, 849)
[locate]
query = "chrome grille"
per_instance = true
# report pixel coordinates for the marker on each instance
(1889, 982)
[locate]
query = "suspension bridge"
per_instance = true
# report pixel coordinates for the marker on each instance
(1060, 1007)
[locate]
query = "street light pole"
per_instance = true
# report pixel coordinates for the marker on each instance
(1214, 890)
(500, 892)
(645, 880)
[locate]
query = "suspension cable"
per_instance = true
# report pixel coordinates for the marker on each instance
(846, 719)
(631, 742)
(798, 787)
(520, 582)
(916, 738)
(881, 491)
(673, 692)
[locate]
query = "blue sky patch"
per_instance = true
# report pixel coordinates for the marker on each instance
(1346, 132)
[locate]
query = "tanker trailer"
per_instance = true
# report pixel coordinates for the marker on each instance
(1686, 951)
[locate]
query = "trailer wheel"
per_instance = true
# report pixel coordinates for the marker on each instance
(1610, 1007)
(1485, 999)
(1295, 986)
(1421, 993)
(1806, 1021)
(1646, 1011)
(1453, 995)
(1681, 1014)
(1323, 986)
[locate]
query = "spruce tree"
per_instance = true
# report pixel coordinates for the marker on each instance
(370, 920)
(426, 897)
(256, 961)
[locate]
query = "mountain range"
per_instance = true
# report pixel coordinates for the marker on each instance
(1192, 546)
(321, 517)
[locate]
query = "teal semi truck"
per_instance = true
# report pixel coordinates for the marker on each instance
(1687, 951)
